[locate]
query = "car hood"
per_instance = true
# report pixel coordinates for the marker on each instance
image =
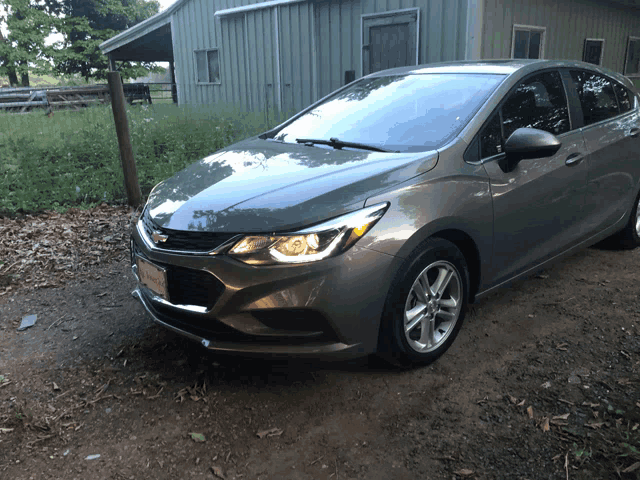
(260, 185)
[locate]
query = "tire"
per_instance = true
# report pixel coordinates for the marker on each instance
(629, 237)
(436, 318)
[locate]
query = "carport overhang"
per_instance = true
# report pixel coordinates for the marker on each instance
(148, 41)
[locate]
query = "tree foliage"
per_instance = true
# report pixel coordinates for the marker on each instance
(81, 25)
(28, 23)
(85, 24)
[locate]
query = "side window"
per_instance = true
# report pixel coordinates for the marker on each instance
(624, 98)
(538, 102)
(597, 97)
(491, 138)
(207, 66)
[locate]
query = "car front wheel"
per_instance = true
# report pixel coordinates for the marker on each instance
(425, 306)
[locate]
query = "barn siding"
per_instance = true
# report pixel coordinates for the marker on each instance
(321, 39)
(568, 23)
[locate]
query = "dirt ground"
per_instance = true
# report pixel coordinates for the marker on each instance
(542, 383)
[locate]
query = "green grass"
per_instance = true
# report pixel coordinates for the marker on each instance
(72, 158)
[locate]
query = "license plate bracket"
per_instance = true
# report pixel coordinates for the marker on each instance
(153, 277)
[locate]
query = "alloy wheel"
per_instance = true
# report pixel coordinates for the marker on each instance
(433, 306)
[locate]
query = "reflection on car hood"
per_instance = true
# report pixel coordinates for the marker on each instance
(259, 185)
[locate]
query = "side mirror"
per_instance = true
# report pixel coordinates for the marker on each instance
(531, 143)
(527, 143)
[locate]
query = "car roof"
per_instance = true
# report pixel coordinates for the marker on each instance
(498, 67)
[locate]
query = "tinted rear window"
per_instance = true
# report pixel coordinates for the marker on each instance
(400, 112)
(596, 96)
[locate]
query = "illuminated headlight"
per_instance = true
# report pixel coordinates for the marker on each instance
(311, 244)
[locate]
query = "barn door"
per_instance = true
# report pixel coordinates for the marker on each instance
(389, 40)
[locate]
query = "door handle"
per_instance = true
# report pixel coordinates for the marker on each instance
(635, 132)
(573, 159)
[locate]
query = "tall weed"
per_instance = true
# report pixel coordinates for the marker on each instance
(72, 158)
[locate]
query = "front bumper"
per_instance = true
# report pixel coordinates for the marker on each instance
(330, 308)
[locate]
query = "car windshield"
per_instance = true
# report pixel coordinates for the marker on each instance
(405, 113)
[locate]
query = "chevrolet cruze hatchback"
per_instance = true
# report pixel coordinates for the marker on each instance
(369, 221)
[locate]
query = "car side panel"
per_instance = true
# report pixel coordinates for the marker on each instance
(538, 208)
(453, 196)
(613, 169)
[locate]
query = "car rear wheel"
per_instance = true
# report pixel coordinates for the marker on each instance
(629, 238)
(425, 306)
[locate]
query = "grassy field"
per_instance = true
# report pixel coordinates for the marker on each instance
(72, 159)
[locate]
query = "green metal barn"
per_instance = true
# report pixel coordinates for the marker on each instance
(285, 54)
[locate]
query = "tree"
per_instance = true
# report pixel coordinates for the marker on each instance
(85, 24)
(28, 23)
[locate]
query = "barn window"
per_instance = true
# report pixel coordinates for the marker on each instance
(527, 42)
(207, 66)
(593, 48)
(632, 62)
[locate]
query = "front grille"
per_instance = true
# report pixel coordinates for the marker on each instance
(187, 286)
(185, 241)
(193, 287)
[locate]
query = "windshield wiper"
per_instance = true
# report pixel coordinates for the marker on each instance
(338, 144)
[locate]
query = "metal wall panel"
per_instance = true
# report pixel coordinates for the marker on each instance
(442, 34)
(568, 24)
(195, 27)
(318, 41)
(295, 27)
(262, 59)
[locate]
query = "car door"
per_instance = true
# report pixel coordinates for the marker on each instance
(538, 206)
(611, 134)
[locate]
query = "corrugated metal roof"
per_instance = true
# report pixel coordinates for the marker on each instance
(141, 29)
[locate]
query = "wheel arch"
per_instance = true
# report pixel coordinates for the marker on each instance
(470, 251)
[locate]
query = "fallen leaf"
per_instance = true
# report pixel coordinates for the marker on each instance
(6, 430)
(595, 425)
(545, 424)
(513, 399)
(632, 468)
(530, 411)
(546, 384)
(561, 417)
(465, 472)
(197, 437)
(217, 471)
(272, 432)
(589, 404)
(521, 404)
(55, 387)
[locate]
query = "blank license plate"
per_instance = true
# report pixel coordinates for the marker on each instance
(153, 277)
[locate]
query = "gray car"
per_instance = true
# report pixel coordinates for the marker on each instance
(370, 220)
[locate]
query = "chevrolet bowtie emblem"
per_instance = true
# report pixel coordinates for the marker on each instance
(159, 237)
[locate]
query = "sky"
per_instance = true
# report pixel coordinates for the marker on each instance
(164, 4)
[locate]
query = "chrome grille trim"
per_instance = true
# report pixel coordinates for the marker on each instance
(152, 246)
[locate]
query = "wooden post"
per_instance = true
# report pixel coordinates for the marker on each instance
(134, 196)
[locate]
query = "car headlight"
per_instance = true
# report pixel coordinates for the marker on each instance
(311, 244)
